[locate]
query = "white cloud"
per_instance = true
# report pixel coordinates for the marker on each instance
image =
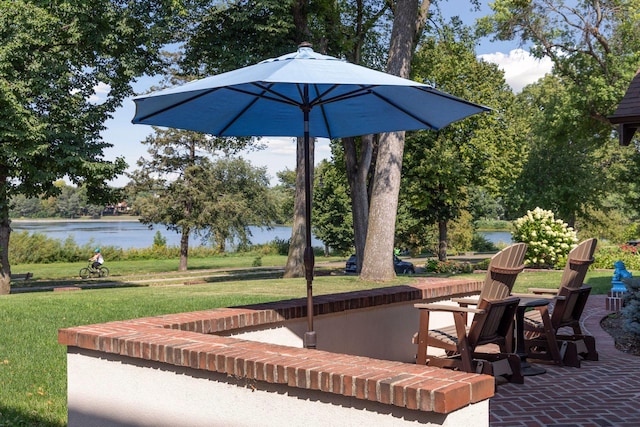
(99, 92)
(520, 68)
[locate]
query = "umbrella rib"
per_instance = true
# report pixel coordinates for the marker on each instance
(321, 100)
(405, 111)
(278, 97)
(177, 104)
(436, 92)
(265, 89)
(241, 112)
(323, 112)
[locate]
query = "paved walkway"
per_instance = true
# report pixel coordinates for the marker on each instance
(602, 393)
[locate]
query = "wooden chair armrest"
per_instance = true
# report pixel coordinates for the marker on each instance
(538, 296)
(544, 290)
(532, 295)
(450, 308)
(466, 301)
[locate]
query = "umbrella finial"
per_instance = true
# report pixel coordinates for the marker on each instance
(305, 44)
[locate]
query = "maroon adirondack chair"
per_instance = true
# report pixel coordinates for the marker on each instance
(463, 344)
(542, 326)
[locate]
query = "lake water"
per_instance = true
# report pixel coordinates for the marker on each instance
(497, 236)
(133, 234)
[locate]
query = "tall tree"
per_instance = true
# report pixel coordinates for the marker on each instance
(483, 150)
(295, 258)
(53, 56)
(284, 193)
(332, 209)
(595, 49)
(243, 200)
(175, 180)
(363, 23)
(408, 21)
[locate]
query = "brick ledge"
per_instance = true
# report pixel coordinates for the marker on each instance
(187, 339)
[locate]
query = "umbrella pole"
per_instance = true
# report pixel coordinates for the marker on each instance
(309, 261)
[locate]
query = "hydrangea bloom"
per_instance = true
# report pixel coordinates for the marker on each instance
(549, 239)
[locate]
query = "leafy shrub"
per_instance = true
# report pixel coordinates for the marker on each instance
(605, 256)
(460, 233)
(448, 267)
(483, 265)
(479, 243)
(549, 239)
(274, 247)
(159, 241)
(631, 310)
(281, 245)
(37, 248)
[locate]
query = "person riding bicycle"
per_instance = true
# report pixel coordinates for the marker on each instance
(97, 259)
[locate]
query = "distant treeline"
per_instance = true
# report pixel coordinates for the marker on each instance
(37, 248)
(70, 203)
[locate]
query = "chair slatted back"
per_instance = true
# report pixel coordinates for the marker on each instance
(503, 270)
(568, 308)
(578, 262)
(494, 324)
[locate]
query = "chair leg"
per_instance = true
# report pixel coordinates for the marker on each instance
(585, 345)
(496, 364)
(590, 342)
(550, 335)
(571, 357)
(516, 376)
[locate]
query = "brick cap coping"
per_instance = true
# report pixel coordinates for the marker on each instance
(189, 340)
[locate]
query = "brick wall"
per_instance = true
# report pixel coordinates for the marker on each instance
(189, 340)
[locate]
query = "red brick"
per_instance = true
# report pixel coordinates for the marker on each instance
(451, 397)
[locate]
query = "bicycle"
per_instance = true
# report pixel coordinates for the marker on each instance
(89, 271)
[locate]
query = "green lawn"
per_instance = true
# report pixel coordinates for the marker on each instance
(33, 365)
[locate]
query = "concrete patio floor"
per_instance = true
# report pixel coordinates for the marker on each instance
(602, 393)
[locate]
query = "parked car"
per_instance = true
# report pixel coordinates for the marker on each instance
(400, 266)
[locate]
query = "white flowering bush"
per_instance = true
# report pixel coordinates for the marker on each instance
(549, 240)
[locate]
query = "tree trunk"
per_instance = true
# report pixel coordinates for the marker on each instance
(378, 251)
(184, 249)
(5, 268)
(442, 240)
(357, 173)
(295, 259)
(409, 18)
(5, 232)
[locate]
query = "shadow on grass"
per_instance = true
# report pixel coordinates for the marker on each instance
(10, 417)
(600, 285)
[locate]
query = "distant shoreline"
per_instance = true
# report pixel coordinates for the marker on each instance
(121, 218)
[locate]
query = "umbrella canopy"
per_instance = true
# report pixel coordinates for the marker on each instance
(268, 99)
(302, 94)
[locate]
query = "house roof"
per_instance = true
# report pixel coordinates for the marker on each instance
(627, 115)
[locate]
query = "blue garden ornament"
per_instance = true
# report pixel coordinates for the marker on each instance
(619, 273)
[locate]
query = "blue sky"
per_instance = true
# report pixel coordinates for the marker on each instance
(519, 67)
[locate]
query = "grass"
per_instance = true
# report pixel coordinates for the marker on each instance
(68, 270)
(33, 365)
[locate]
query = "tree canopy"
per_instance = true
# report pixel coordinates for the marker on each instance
(56, 58)
(183, 187)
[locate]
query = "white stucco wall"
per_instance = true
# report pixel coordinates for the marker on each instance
(120, 391)
(383, 332)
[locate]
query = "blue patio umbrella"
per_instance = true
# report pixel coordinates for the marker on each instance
(302, 94)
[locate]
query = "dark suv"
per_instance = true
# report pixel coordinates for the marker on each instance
(400, 266)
